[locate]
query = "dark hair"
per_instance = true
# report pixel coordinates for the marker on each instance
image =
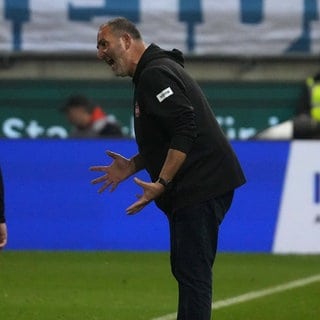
(76, 101)
(120, 25)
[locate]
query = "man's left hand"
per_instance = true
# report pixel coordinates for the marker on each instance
(151, 191)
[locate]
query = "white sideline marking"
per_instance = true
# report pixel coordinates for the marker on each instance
(254, 295)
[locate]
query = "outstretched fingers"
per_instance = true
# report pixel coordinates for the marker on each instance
(98, 168)
(112, 154)
(106, 186)
(99, 179)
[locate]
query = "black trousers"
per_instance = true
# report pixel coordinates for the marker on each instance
(193, 245)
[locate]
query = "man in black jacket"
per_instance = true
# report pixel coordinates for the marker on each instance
(3, 226)
(192, 166)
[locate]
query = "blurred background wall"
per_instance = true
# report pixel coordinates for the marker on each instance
(252, 59)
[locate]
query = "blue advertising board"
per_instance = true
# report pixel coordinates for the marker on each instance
(51, 204)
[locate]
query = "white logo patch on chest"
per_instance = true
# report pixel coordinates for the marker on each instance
(164, 94)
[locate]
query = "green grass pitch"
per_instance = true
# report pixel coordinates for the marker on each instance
(139, 286)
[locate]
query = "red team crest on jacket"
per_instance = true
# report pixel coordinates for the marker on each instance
(136, 110)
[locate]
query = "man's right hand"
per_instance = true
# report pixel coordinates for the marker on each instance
(120, 169)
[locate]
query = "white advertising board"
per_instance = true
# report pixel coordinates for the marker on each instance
(298, 226)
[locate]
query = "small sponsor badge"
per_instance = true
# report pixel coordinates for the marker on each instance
(164, 94)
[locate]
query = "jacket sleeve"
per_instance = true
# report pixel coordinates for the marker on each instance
(165, 98)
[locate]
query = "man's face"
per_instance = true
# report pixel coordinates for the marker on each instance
(112, 49)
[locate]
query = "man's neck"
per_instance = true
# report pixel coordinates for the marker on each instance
(138, 50)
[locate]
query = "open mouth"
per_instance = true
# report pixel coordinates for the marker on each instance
(109, 61)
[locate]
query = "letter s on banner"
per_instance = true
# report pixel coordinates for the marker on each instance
(12, 127)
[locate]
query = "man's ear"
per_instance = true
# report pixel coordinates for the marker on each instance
(127, 40)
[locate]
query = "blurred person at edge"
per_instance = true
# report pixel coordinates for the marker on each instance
(3, 225)
(88, 120)
(306, 123)
(310, 103)
(192, 166)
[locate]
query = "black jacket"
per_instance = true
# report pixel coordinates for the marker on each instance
(171, 111)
